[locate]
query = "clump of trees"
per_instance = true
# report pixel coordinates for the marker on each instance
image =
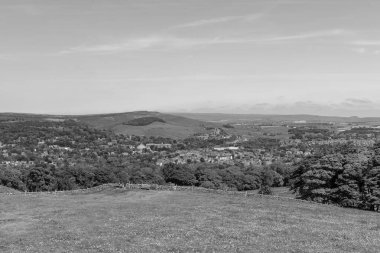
(310, 133)
(47, 177)
(349, 178)
(144, 121)
(223, 177)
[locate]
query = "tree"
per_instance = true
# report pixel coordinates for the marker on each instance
(351, 179)
(208, 177)
(349, 186)
(372, 181)
(146, 175)
(372, 188)
(266, 177)
(284, 170)
(83, 175)
(315, 179)
(41, 179)
(179, 174)
(11, 177)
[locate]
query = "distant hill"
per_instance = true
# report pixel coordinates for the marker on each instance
(130, 123)
(225, 118)
(174, 125)
(146, 123)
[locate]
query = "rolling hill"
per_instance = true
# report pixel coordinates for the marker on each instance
(146, 123)
(175, 125)
(130, 123)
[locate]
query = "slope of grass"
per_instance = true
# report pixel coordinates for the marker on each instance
(152, 221)
(133, 123)
(4, 189)
(146, 123)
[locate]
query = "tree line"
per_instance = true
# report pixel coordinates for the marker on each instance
(47, 177)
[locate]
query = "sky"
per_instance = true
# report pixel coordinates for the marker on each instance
(243, 56)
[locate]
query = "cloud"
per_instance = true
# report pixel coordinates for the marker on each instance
(160, 42)
(193, 78)
(258, 78)
(3, 57)
(27, 9)
(219, 20)
(366, 46)
(155, 43)
(366, 43)
(310, 35)
(358, 101)
(360, 50)
(8, 57)
(128, 45)
(348, 107)
(366, 50)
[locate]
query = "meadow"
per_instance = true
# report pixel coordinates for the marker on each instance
(123, 220)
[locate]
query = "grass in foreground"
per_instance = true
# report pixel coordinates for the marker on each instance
(152, 221)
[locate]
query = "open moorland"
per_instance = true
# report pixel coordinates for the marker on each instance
(121, 220)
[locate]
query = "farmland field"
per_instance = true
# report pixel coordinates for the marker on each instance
(118, 220)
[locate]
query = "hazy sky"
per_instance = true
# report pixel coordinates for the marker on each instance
(244, 56)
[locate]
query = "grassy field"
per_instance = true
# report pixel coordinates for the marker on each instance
(118, 220)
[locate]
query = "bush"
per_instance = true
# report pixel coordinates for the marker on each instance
(266, 190)
(207, 184)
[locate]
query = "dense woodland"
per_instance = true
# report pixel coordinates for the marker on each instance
(66, 155)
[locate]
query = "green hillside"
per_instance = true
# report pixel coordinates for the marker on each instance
(130, 123)
(4, 189)
(164, 125)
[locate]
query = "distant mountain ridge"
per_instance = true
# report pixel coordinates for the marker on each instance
(225, 117)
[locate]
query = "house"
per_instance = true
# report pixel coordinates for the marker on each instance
(140, 148)
(226, 148)
(202, 136)
(154, 145)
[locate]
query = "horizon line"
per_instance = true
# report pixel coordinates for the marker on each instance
(182, 112)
